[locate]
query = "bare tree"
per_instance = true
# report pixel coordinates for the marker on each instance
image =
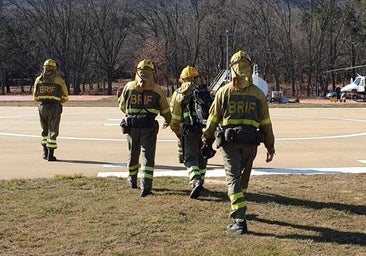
(113, 20)
(284, 13)
(291, 41)
(81, 46)
(179, 26)
(337, 16)
(355, 35)
(51, 24)
(16, 61)
(323, 26)
(266, 37)
(2, 50)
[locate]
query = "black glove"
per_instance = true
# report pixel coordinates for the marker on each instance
(207, 151)
(124, 126)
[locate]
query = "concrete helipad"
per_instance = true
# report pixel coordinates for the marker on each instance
(308, 141)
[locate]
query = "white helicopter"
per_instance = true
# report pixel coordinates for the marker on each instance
(356, 88)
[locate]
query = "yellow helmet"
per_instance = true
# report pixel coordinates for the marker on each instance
(50, 63)
(240, 56)
(188, 72)
(145, 64)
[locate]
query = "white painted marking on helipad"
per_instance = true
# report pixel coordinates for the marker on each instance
(17, 117)
(111, 124)
(324, 117)
(174, 140)
(160, 120)
(362, 161)
(19, 135)
(325, 137)
(259, 171)
(113, 120)
(79, 138)
(119, 165)
(115, 165)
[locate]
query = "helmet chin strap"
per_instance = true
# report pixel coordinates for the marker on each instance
(142, 80)
(145, 81)
(138, 74)
(236, 74)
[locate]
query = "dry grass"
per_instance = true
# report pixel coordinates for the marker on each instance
(287, 215)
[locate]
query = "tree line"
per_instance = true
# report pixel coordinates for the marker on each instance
(101, 41)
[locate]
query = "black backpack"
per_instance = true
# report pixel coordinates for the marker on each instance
(200, 102)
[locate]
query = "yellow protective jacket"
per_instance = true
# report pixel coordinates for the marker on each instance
(234, 106)
(179, 111)
(148, 99)
(50, 91)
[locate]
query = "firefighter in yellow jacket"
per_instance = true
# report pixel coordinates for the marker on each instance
(189, 130)
(51, 91)
(240, 110)
(142, 100)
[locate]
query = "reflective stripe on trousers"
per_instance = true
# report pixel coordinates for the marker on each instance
(142, 140)
(50, 116)
(238, 162)
(194, 162)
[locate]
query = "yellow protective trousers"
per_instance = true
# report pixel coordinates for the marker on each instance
(50, 116)
(142, 140)
(193, 160)
(238, 162)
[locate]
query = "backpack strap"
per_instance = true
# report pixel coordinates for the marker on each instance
(185, 101)
(188, 100)
(192, 109)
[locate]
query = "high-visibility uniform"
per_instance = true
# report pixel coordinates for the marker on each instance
(51, 92)
(246, 108)
(189, 133)
(141, 105)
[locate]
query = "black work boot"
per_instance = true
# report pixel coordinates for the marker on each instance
(196, 189)
(239, 228)
(45, 153)
(132, 182)
(51, 157)
(145, 192)
(146, 187)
